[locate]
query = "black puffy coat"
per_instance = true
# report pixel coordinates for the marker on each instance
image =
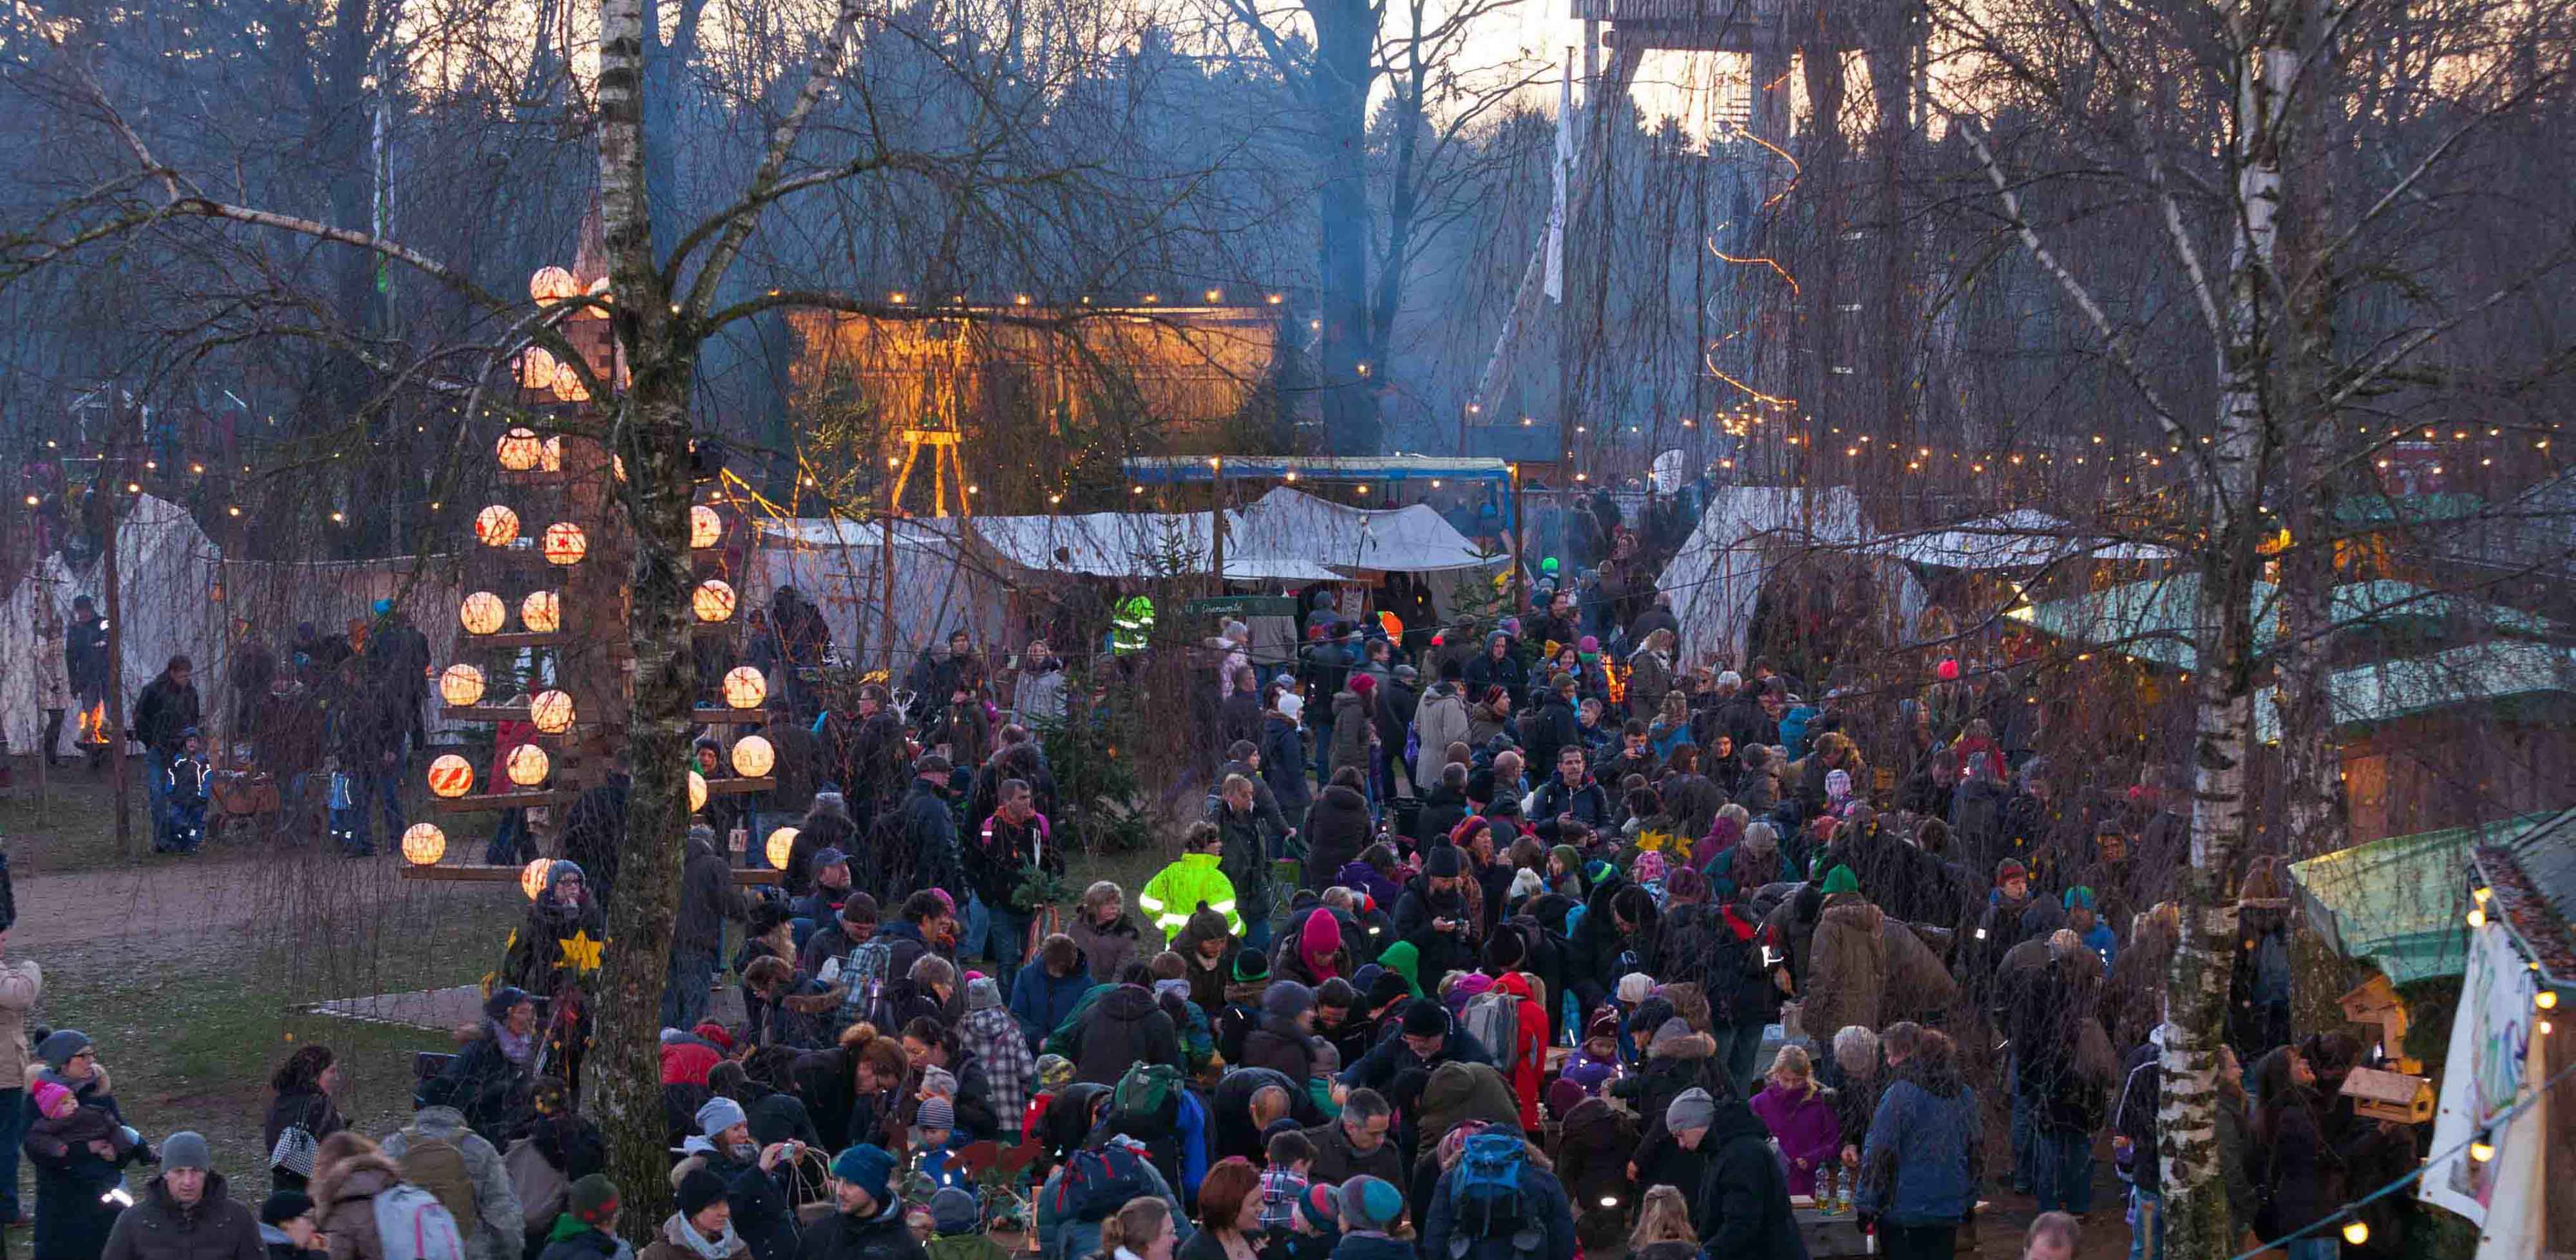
(1439, 952)
(1124, 1028)
(158, 1228)
(1741, 1206)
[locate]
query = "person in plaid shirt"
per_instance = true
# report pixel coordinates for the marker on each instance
(1289, 1156)
(994, 1039)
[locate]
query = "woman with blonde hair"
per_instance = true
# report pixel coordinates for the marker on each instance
(1799, 1117)
(1663, 1229)
(1104, 932)
(1141, 1229)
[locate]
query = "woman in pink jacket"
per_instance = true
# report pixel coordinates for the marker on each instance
(1800, 1118)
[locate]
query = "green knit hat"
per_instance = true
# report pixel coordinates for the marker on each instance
(1841, 880)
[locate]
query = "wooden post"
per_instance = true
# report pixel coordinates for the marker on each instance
(1216, 524)
(1520, 546)
(109, 479)
(885, 564)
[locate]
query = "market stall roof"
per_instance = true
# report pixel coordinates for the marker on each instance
(1155, 470)
(1716, 578)
(2502, 669)
(1138, 545)
(2023, 539)
(2401, 902)
(2153, 620)
(1403, 540)
(2532, 878)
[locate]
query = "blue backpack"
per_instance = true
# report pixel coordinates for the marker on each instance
(1099, 1180)
(1485, 1197)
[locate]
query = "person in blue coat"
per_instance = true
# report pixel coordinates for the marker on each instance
(1045, 992)
(1924, 1156)
(1547, 1213)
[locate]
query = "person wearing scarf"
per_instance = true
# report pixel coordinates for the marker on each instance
(703, 1227)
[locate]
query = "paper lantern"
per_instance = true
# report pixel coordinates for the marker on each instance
(496, 526)
(528, 765)
(567, 384)
(482, 612)
(549, 285)
(564, 543)
(451, 776)
(541, 612)
(551, 711)
(753, 758)
(705, 527)
(551, 458)
(461, 685)
(532, 877)
(744, 688)
(781, 843)
(713, 600)
(423, 844)
(697, 791)
(518, 449)
(536, 371)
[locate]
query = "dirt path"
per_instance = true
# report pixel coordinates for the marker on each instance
(163, 897)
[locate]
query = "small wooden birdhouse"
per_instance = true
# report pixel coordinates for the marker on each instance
(2375, 1004)
(2379, 1095)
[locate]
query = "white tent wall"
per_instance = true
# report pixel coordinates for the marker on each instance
(1716, 578)
(167, 569)
(837, 564)
(277, 598)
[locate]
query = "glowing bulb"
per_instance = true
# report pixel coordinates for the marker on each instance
(2356, 1231)
(781, 843)
(541, 612)
(753, 758)
(744, 688)
(450, 776)
(2481, 1150)
(713, 600)
(518, 449)
(705, 527)
(564, 543)
(2546, 999)
(551, 712)
(2481, 894)
(527, 765)
(481, 612)
(423, 844)
(697, 791)
(2477, 918)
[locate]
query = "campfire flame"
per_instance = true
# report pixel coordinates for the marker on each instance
(93, 724)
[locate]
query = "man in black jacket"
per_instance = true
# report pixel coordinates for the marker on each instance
(1741, 1205)
(1426, 1038)
(1397, 698)
(164, 715)
(931, 859)
(1555, 727)
(1014, 838)
(869, 1224)
(707, 900)
(185, 1211)
(1432, 915)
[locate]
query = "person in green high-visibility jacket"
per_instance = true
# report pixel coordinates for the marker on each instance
(1182, 887)
(1131, 624)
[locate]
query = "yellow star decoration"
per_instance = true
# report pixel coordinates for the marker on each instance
(580, 952)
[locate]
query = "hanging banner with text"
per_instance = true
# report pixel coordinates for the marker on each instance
(2488, 1071)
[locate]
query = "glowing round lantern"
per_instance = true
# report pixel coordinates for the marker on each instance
(423, 844)
(541, 612)
(482, 612)
(451, 776)
(496, 526)
(551, 460)
(705, 527)
(461, 685)
(536, 371)
(549, 285)
(781, 843)
(744, 688)
(518, 449)
(528, 765)
(753, 758)
(551, 711)
(565, 543)
(532, 877)
(713, 600)
(697, 791)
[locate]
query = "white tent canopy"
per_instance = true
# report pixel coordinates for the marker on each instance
(2022, 539)
(1717, 576)
(1288, 522)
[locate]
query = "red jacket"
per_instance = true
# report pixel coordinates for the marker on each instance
(1526, 1065)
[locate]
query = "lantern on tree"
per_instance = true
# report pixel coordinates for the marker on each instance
(423, 844)
(496, 526)
(713, 600)
(753, 758)
(551, 460)
(481, 612)
(541, 612)
(451, 776)
(697, 791)
(528, 765)
(551, 711)
(461, 685)
(532, 877)
(565, 543)
(781, 843)
(549, 285)
(537, 367)
(518, 448)
(744, 688)
(705, 527)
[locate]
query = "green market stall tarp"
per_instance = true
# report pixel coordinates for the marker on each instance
(2401, 902)
(2157, 620)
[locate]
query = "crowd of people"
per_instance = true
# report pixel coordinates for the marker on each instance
(1500, 942)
